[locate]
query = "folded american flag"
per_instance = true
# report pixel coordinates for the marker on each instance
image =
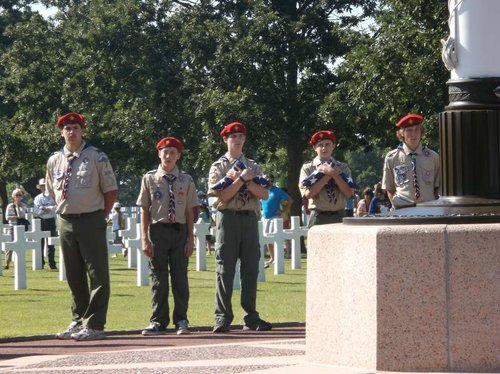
(238, 166)
(317, 175)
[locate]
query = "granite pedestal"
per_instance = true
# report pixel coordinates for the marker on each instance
(404, 298)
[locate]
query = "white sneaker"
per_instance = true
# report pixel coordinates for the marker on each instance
(88, 334)
(72, 328)
(182, 328)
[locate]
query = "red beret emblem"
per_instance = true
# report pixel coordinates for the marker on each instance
(170, 141)
(410, 120)
(323, 134)
(233, 127)
(71, 117)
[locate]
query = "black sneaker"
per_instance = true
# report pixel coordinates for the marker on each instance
(154, 329)
(221, 327)
(259, 325)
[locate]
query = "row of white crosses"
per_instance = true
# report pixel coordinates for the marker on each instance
(131, 236)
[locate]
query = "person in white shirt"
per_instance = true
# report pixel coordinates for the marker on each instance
(44, 208)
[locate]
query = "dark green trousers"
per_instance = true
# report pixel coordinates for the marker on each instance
(83, 244)
(237, 238)
(324, 218)
(168, 241)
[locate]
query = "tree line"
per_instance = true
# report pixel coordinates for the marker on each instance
(143, 69)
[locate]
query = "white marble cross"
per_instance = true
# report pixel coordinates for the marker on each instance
(279, 253)
(263, 240)
(19, 246)
(135, 245)
(55, 240)
(4, 237)
(36, 234)
(294, 233)
(110, 237)
(201, 229)
(130, 233)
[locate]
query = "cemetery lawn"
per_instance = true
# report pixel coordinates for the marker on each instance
(44, 307)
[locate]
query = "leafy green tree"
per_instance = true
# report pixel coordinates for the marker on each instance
(143, 69)
(394, 70)
(267, 64)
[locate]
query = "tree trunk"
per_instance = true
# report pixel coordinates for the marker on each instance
(4, 198)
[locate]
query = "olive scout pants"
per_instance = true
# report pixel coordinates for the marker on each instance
(169, 240)
(85, 252)
(237, 238)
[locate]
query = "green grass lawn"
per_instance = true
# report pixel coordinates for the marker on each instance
(44, 307)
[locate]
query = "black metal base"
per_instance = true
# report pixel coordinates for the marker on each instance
(473, 93)
(445, 210)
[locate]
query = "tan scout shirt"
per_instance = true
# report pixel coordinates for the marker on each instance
(92, 176)
(154, 195)
(398, 175)
(218, 170)
(321, 201)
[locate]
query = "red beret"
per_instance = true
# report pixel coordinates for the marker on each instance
(71, 117)
(233, 127)
(170, 141)
(410, 120)
(322, 135)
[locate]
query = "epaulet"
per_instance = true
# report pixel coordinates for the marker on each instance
(151, 171)
(221, 160)
(393, 152)
(186, 175)
(250, 160)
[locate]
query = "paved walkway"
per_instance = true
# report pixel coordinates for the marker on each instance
(280, 351)
(202, 352)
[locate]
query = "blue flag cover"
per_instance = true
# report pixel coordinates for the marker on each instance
(238, 166)
(317, 175)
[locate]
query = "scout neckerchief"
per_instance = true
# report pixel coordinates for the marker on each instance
(413, 157)
(69, 170)
(170, 178)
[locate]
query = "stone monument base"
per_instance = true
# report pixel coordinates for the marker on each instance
(404, 298)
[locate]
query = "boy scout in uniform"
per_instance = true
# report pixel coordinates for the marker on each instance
(411, 171)
(237, 233)
(167, 199)
(82, 182)
(326, 195)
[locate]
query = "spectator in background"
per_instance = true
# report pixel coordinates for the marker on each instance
(271, 210)
(44, 208)
(380, 203)
(349, 206)
(207, 218)
(285, 208)
(364, 202)
(15, 214)
(118, 223)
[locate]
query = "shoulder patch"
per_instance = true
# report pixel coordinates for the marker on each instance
(102, 157)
